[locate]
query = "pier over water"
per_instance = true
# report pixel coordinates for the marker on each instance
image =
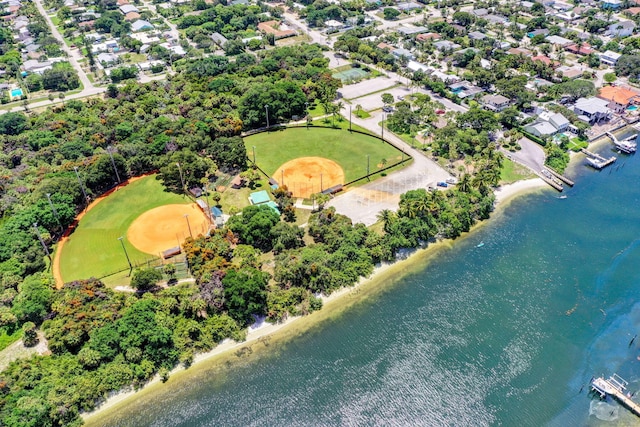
(615, 387)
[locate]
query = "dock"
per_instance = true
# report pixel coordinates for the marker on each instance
(615, 387)
(561, 177)
(596, 160)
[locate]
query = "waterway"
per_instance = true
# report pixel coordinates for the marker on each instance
(508, 333)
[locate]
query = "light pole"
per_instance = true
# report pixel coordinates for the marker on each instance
(349, 117)
(84, 193)
(306, 113)
(266, 107)
(181, 178)
(186, 216)
(126, 254)
(254, 154)
(368, 165)
(44, 246)
(113, 163)
(321, 186)
(55, 212)
(382, 126)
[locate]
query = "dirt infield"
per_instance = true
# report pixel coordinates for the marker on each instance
(164, 227)
(305, 176)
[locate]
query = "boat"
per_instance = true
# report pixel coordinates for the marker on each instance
(594, 163)
(479, 245)
(628, 145)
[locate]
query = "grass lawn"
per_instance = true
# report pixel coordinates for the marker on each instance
(240, 198)
(512, 172)
(348, 149)
(575, 144)
(93, 249)
(6, 340)
(362, 114)
(316, 110)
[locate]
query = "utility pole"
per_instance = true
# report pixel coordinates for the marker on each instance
(266, 107)
(84, 193)
(306, 113)
(186, 216)
(349, 117)
(113, 163)
(184, 190)
(55, 212)
(44, 246)
(254, 154)
(368, 165)
(126, 254)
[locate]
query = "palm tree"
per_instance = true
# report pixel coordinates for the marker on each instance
(465, 183)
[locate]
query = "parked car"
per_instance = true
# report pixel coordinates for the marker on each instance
(440, 112)
(442, 184)
(451, 181)
(387, 109)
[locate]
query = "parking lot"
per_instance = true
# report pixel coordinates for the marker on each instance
(366, 87)
(374, 101)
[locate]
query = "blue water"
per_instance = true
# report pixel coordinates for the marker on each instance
(16, 92)
(503, 334)
(632, 108)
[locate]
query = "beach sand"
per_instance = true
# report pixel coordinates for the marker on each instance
(333, 305)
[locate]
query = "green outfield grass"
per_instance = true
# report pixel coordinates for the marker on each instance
(93, 249)
(348, 149)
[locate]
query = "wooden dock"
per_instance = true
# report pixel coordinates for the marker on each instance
(560, 177)
(596, 160)
(615, 387)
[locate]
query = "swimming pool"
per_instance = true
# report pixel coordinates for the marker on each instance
(16, 92)
(632, 108)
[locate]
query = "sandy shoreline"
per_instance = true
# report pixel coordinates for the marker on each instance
(330, 303)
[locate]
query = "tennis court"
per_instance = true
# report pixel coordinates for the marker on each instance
(351, 74)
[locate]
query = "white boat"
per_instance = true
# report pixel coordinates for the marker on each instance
(594, 163)
(627, 145)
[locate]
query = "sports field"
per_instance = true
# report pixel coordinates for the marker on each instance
(93, 249)
(349, 150)
(351, 74)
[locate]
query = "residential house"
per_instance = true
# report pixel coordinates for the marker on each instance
(633, 11)
(559, 41)
(541, 129)
(610, 58)
(611, 4)
(37, 67)
(465, 89)
(443, 45)
(580, 49)
(476, 35)
(383, 46)
(107, 59)
(409, 30)
(519, 51)
(621, 29)
(141, 25)
(126, 8)
(545, 59)
(446, 78)
(279, 31)
(569, 72)
(560, 122)
(399, 53)
(416, 66)
(480, 12)
(428, 36)
(541, 31)
(619, 97)
(548, 124)
(558, 5)
(132, 16)
(497, 19)
(334, 25)
(495, 102)
(219, 39)
(592, 110)
(409, 6)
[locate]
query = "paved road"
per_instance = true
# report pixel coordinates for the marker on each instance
(531, 155)
(316, 36)
(89, 88)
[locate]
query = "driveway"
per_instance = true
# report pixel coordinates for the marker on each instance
(531, 155)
